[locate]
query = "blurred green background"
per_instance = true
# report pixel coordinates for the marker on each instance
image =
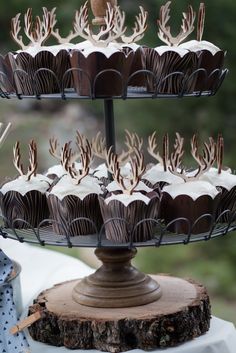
(212, 263)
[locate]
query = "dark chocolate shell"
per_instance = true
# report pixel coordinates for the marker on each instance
(210, 70)
(227, 205)
(24, 211)
(99, 76)
(170, 72)
(43, 74)
(188, 215)
(134, 223)
(6, 75)
(73, 216)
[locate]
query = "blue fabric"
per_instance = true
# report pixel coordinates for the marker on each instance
(8, 316)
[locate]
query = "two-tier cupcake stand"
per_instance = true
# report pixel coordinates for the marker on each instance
(119, 308)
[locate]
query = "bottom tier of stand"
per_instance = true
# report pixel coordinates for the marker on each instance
(179, 315)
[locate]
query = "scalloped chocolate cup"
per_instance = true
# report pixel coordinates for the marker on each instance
(213, 66)
(183, 206)
(99, 76)
(6, 75)
(43, 74)
(136, 78)
(171, 71)
(75, 216)
(121, 221)
(227, 202)
(31, 208)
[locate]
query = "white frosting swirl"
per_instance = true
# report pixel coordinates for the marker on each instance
(113, 186)
(39, 183)
(194, 189)
(65, 187)
(127, 199)
(194, 46)
(157, 174)
(224, 179)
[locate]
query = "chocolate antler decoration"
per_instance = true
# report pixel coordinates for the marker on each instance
(112, 30)
(56, 34)
(99, 146)
(187, 26)
(220, 153)
(132, 141)
(54, 147)
(139, 28)
(204, 161)
(137, 167)
(153, 150)
(69, 165)
(37, 31)
(32, 169)
(4, 133)
(201, 21)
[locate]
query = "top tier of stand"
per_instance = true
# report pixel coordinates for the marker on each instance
(210, 84)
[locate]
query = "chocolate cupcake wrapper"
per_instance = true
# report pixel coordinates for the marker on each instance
(137, 76)
(24, 211)
(134, 223)
(42, 74)
(75, 216)
(172, 73)
(6, 76)
(210, 70)
(187, 216)
(227, 203)
(99, 76)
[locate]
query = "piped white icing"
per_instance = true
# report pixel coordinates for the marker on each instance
(127, 199)
(102, 172)
(165, 48)
(65, 187)
(194, 45)
(39, 183)
(194, 189)
(224, 179)
(59, 171)
(113, 186)
(54, 49)
(107, 51)
(157, 174)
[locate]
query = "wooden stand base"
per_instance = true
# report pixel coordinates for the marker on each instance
(181, 314)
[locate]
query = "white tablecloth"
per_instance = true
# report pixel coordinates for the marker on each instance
(42, 268)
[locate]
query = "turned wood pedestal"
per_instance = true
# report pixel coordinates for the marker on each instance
(180, 314)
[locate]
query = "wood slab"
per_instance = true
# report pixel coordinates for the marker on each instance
(181, 314)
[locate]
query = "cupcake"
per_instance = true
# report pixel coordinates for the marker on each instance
(23, 200)
(39, 69)
(171, 66)
(159, 175)
(210, 58)
(190, 207)
(106, 60)
(130, 214)
(73, 201)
